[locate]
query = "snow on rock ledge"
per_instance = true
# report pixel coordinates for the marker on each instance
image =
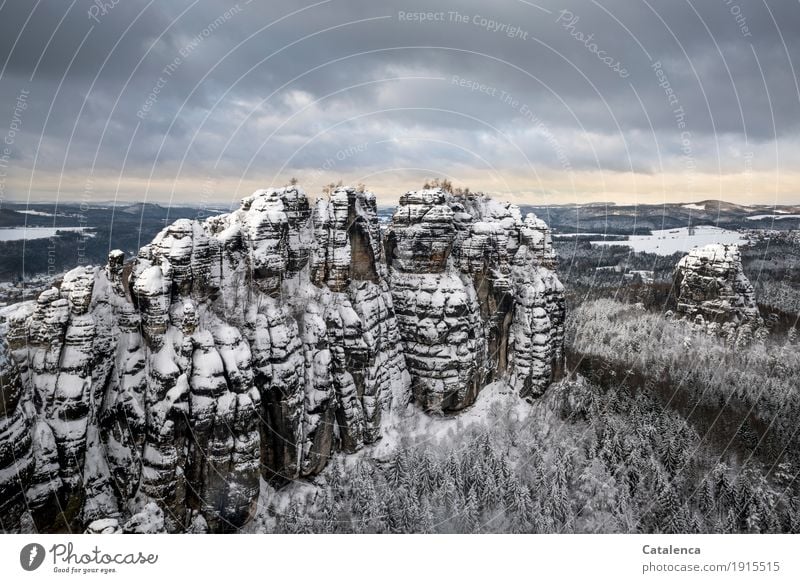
(254, 345)
(711, 287)
(475, 296)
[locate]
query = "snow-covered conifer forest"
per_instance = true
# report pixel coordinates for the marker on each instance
(453, 365)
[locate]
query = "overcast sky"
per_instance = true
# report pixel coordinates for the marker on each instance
(545, 102)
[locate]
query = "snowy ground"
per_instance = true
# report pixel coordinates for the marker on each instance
(671, 241)
(19, 233)
(410, 427)
(778, 216)
(418, 427)
(37, 213)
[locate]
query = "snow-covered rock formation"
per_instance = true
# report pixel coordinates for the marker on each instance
(253, 345)
(711, 286)
(475, 295)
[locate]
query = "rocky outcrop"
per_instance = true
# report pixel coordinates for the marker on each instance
(475, 296)
(711, 287)
(158, 394)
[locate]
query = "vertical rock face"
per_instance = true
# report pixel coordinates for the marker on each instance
(711, 284)
(254, 345)
(17, 454)
(475, 297)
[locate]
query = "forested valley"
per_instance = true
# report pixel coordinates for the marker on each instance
(657, 426)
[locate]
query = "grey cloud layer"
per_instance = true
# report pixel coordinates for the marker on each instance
(243, 90)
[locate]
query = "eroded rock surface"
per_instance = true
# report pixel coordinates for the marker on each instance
(475, 296)
(156, 395)
(712, 287)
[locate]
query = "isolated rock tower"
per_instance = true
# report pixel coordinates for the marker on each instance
(710, 282)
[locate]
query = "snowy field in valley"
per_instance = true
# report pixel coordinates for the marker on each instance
(19, 233)
(37, 213)
(671, 241)
(778, 216)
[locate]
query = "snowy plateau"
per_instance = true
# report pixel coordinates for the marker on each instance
(20, 233)
(233, 358)
(681, 240)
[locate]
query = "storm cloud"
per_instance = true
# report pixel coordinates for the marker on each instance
(556, 102)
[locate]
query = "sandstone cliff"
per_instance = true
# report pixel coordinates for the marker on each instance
(254, 345)
(711, 287)
(475, 296)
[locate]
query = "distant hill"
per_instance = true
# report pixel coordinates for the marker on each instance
(125, 226)
(141, 208)
(640, 219)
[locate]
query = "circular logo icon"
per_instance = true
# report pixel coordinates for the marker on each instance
(31, 556)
